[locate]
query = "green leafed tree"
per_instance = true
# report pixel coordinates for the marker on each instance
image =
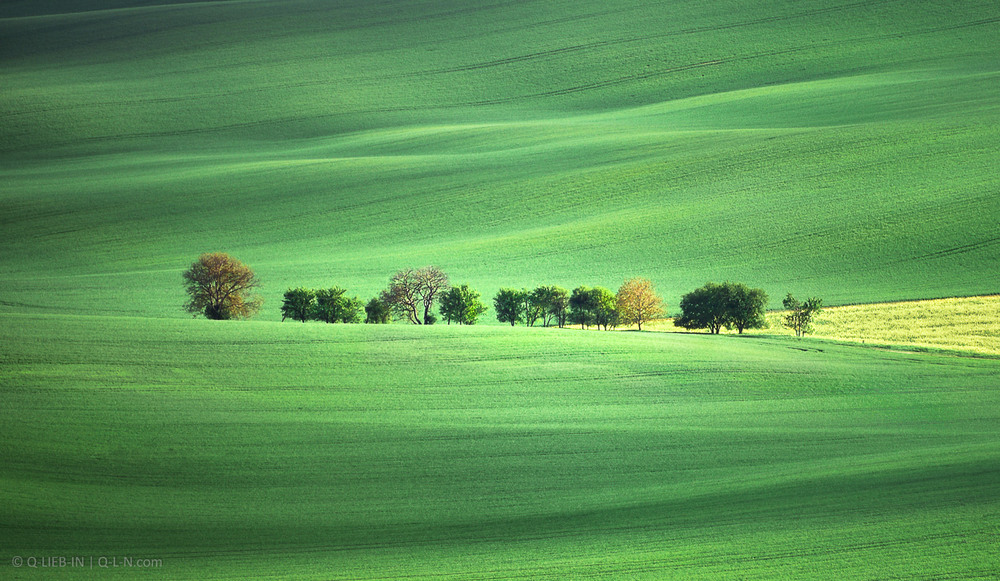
(531, 307)
(332, 306)
(704, 308)
(604, 305)
(509, 306)
(450, 307)
(329, 305)
(462, 305)
(378, 312)
(800, 314)
(352, 311)
(554, 303)
(746, 308)
(298, 304)
(581, 306)
(730, 305)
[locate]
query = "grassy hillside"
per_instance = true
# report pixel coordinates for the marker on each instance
(832, 148)
(236, 450)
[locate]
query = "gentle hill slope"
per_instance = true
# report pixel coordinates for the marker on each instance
(233, 450)
(840, 149)
(843, 149)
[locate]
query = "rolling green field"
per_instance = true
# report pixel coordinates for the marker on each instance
(845, 150)
(233, 450)
(833, 148)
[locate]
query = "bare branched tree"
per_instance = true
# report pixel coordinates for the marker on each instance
(411, 293)
(431, 282)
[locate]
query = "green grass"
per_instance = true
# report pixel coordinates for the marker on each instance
(235, 450)
(837, 149)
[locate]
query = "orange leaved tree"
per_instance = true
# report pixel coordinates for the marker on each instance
(637, 303)
(219, 287)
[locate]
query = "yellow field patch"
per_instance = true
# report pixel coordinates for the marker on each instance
(966, 324)
(969, 323)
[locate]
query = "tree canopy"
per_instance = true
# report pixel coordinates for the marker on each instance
(638, 303)
(604, 305)
(704, 308)
(332, 306)
(508, 304)
(800, 314)
(730, 305)
(220, 287)
(581, 306)
(328, 305)
(746, 307)
(553, 301)
(377, 312)
(298, 304)
(462, 305)
(412, 292)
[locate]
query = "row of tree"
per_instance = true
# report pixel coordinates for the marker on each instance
(737, 306)
(412, 293)
(329, 305)
(220, 287)
(410, 297)
(635, 303)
